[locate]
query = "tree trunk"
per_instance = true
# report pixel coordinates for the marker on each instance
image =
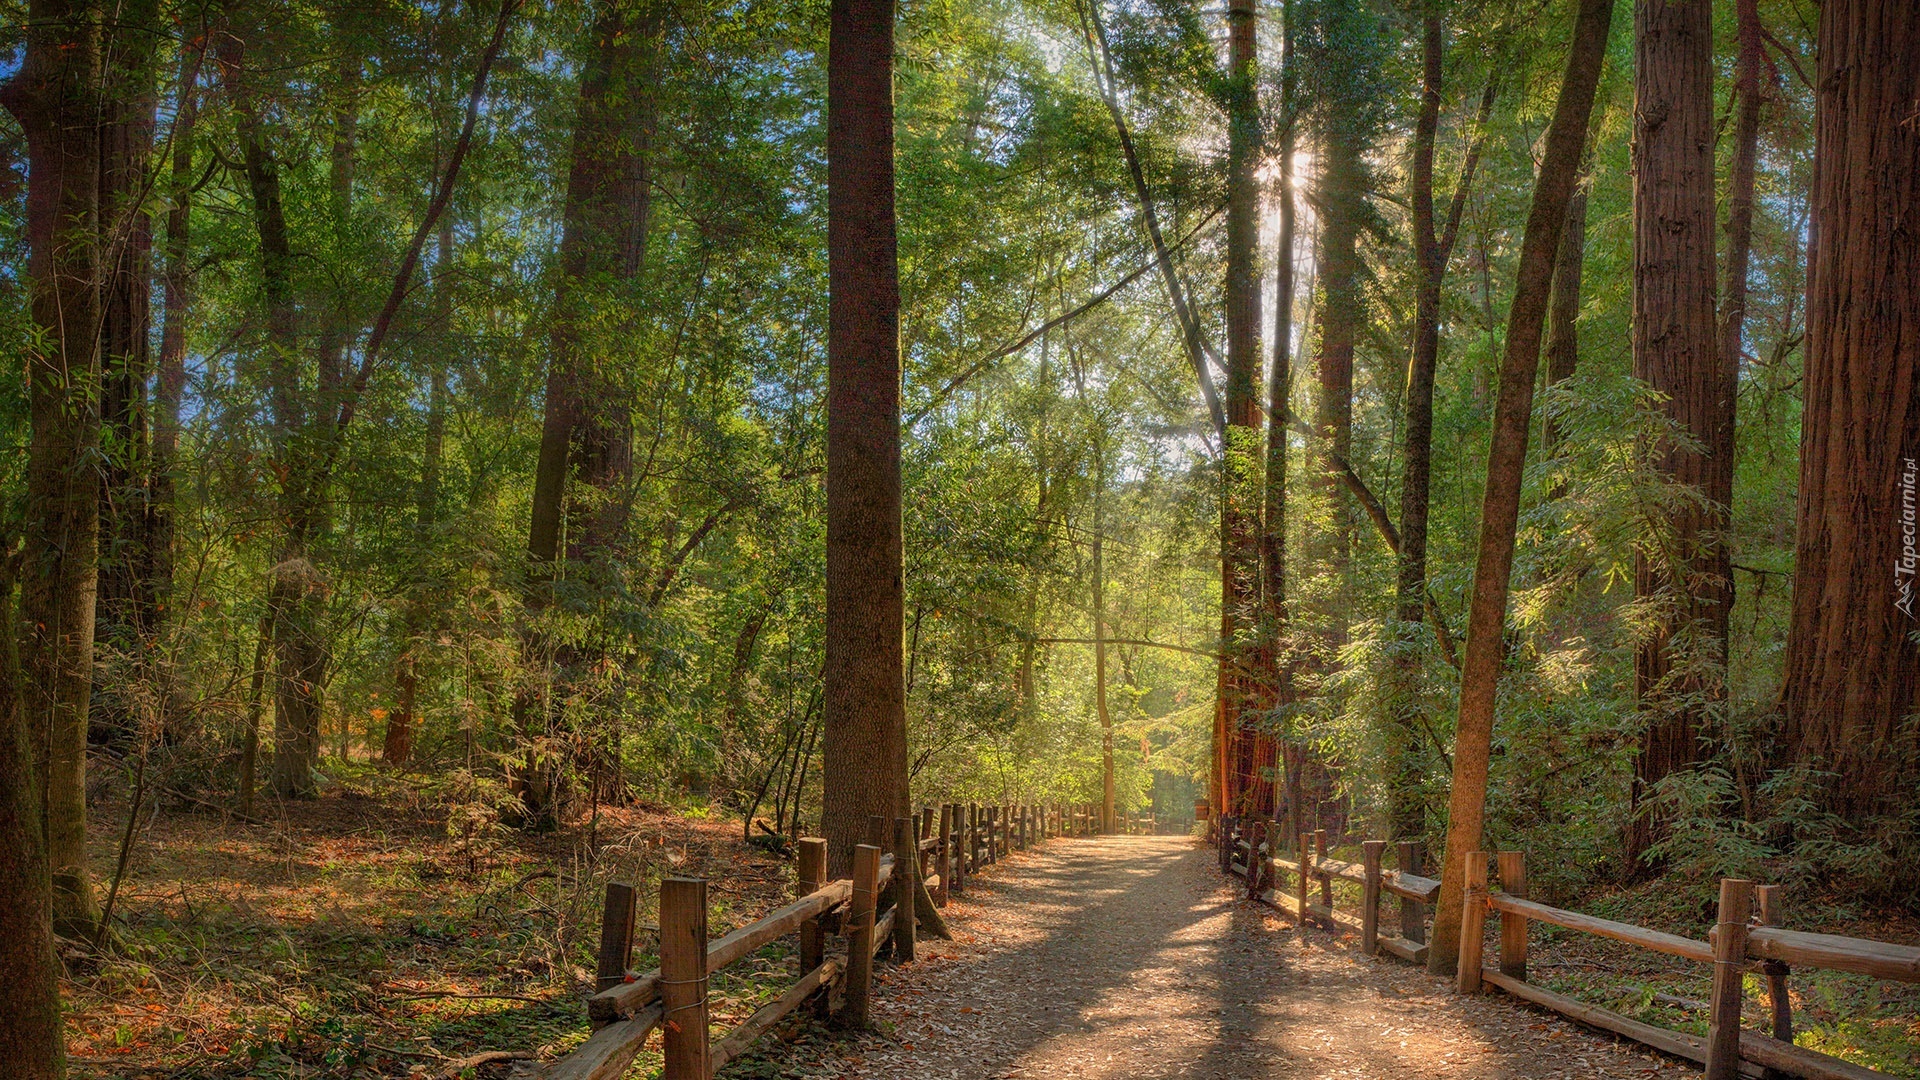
(1100, 639)
(126, 609)
(1432, 252)
(1275, 670)
(586, 439)
(1852, 668)
(865, 763)
(1680, 669)
(54, 97)
(1506, 462)
(1251, 787)
(32, 1041)
(1563, 312)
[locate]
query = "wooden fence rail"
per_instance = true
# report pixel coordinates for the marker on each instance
(940, 848)
(1744, 940)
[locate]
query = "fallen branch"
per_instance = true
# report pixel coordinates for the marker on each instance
(485, 1057)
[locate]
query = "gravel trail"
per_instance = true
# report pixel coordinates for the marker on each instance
(1133, 957)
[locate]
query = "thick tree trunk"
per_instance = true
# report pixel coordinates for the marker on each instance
(1275, 673)
(586, 439)
(1680, 669)
(1251, 785)
(1506, 462)
(865, 769)
(1852, 668)
(127, 607)
(32, 1041)
(55, 97)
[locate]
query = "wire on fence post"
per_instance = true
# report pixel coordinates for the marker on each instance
(683, 978)
(1729, 977)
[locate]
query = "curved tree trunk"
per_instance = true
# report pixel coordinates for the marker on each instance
(1506, 462)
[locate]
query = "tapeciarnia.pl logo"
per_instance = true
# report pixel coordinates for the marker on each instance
(1909, 560)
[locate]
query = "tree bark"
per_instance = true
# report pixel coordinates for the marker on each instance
(55, 97)
(1275, 669)
(1433, 250)
(586, 440)
(1250, 785)
(1852, 668)
(127, 607)
(32, 1041)
(1563, 312)
(1506, 462)
(865, 756)
(1680, 669)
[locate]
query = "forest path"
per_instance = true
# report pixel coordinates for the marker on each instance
(1133, 957)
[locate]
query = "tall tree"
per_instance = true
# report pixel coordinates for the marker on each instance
(127, 606)
(1251, 780)
(865, 764)
(586, 436)
(1852, 667)
(32, 1041)
(1506, 463)
(1275, 670)
(1686, 579)
(1563, 312)
(1433, 250)
(55, 96)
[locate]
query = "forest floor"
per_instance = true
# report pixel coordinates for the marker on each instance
(371, 934)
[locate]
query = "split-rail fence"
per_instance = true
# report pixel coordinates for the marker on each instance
(1745, 939)
(863, 914)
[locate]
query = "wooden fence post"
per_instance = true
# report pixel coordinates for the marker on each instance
(1413, 923)
(926, 822)
(943, 855)
(812, 858)
(906, 866)
(683, 978)
(1320, 855)
(973, 837)
(1256, 859)
(1513, 928)
(1473, 924)
(616, 936)
(957, 861)
(1305, 875)
(866, 879)
(1766, 908)
(1370, 853)
(1729, 977)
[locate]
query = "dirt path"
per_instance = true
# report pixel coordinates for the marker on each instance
(1131, 957)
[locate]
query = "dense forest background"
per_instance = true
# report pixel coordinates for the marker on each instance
(459, 416)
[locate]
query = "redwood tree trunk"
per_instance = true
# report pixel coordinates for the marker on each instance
(1275, 671)
(1676, 351)
(32, 1041)
(1250, 785)
(586, 438)
(1506, 463)
(54, 96)
(1852, 668)
(865, 752)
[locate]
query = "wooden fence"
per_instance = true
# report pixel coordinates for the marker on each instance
(940, 849)
(1743, 940)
